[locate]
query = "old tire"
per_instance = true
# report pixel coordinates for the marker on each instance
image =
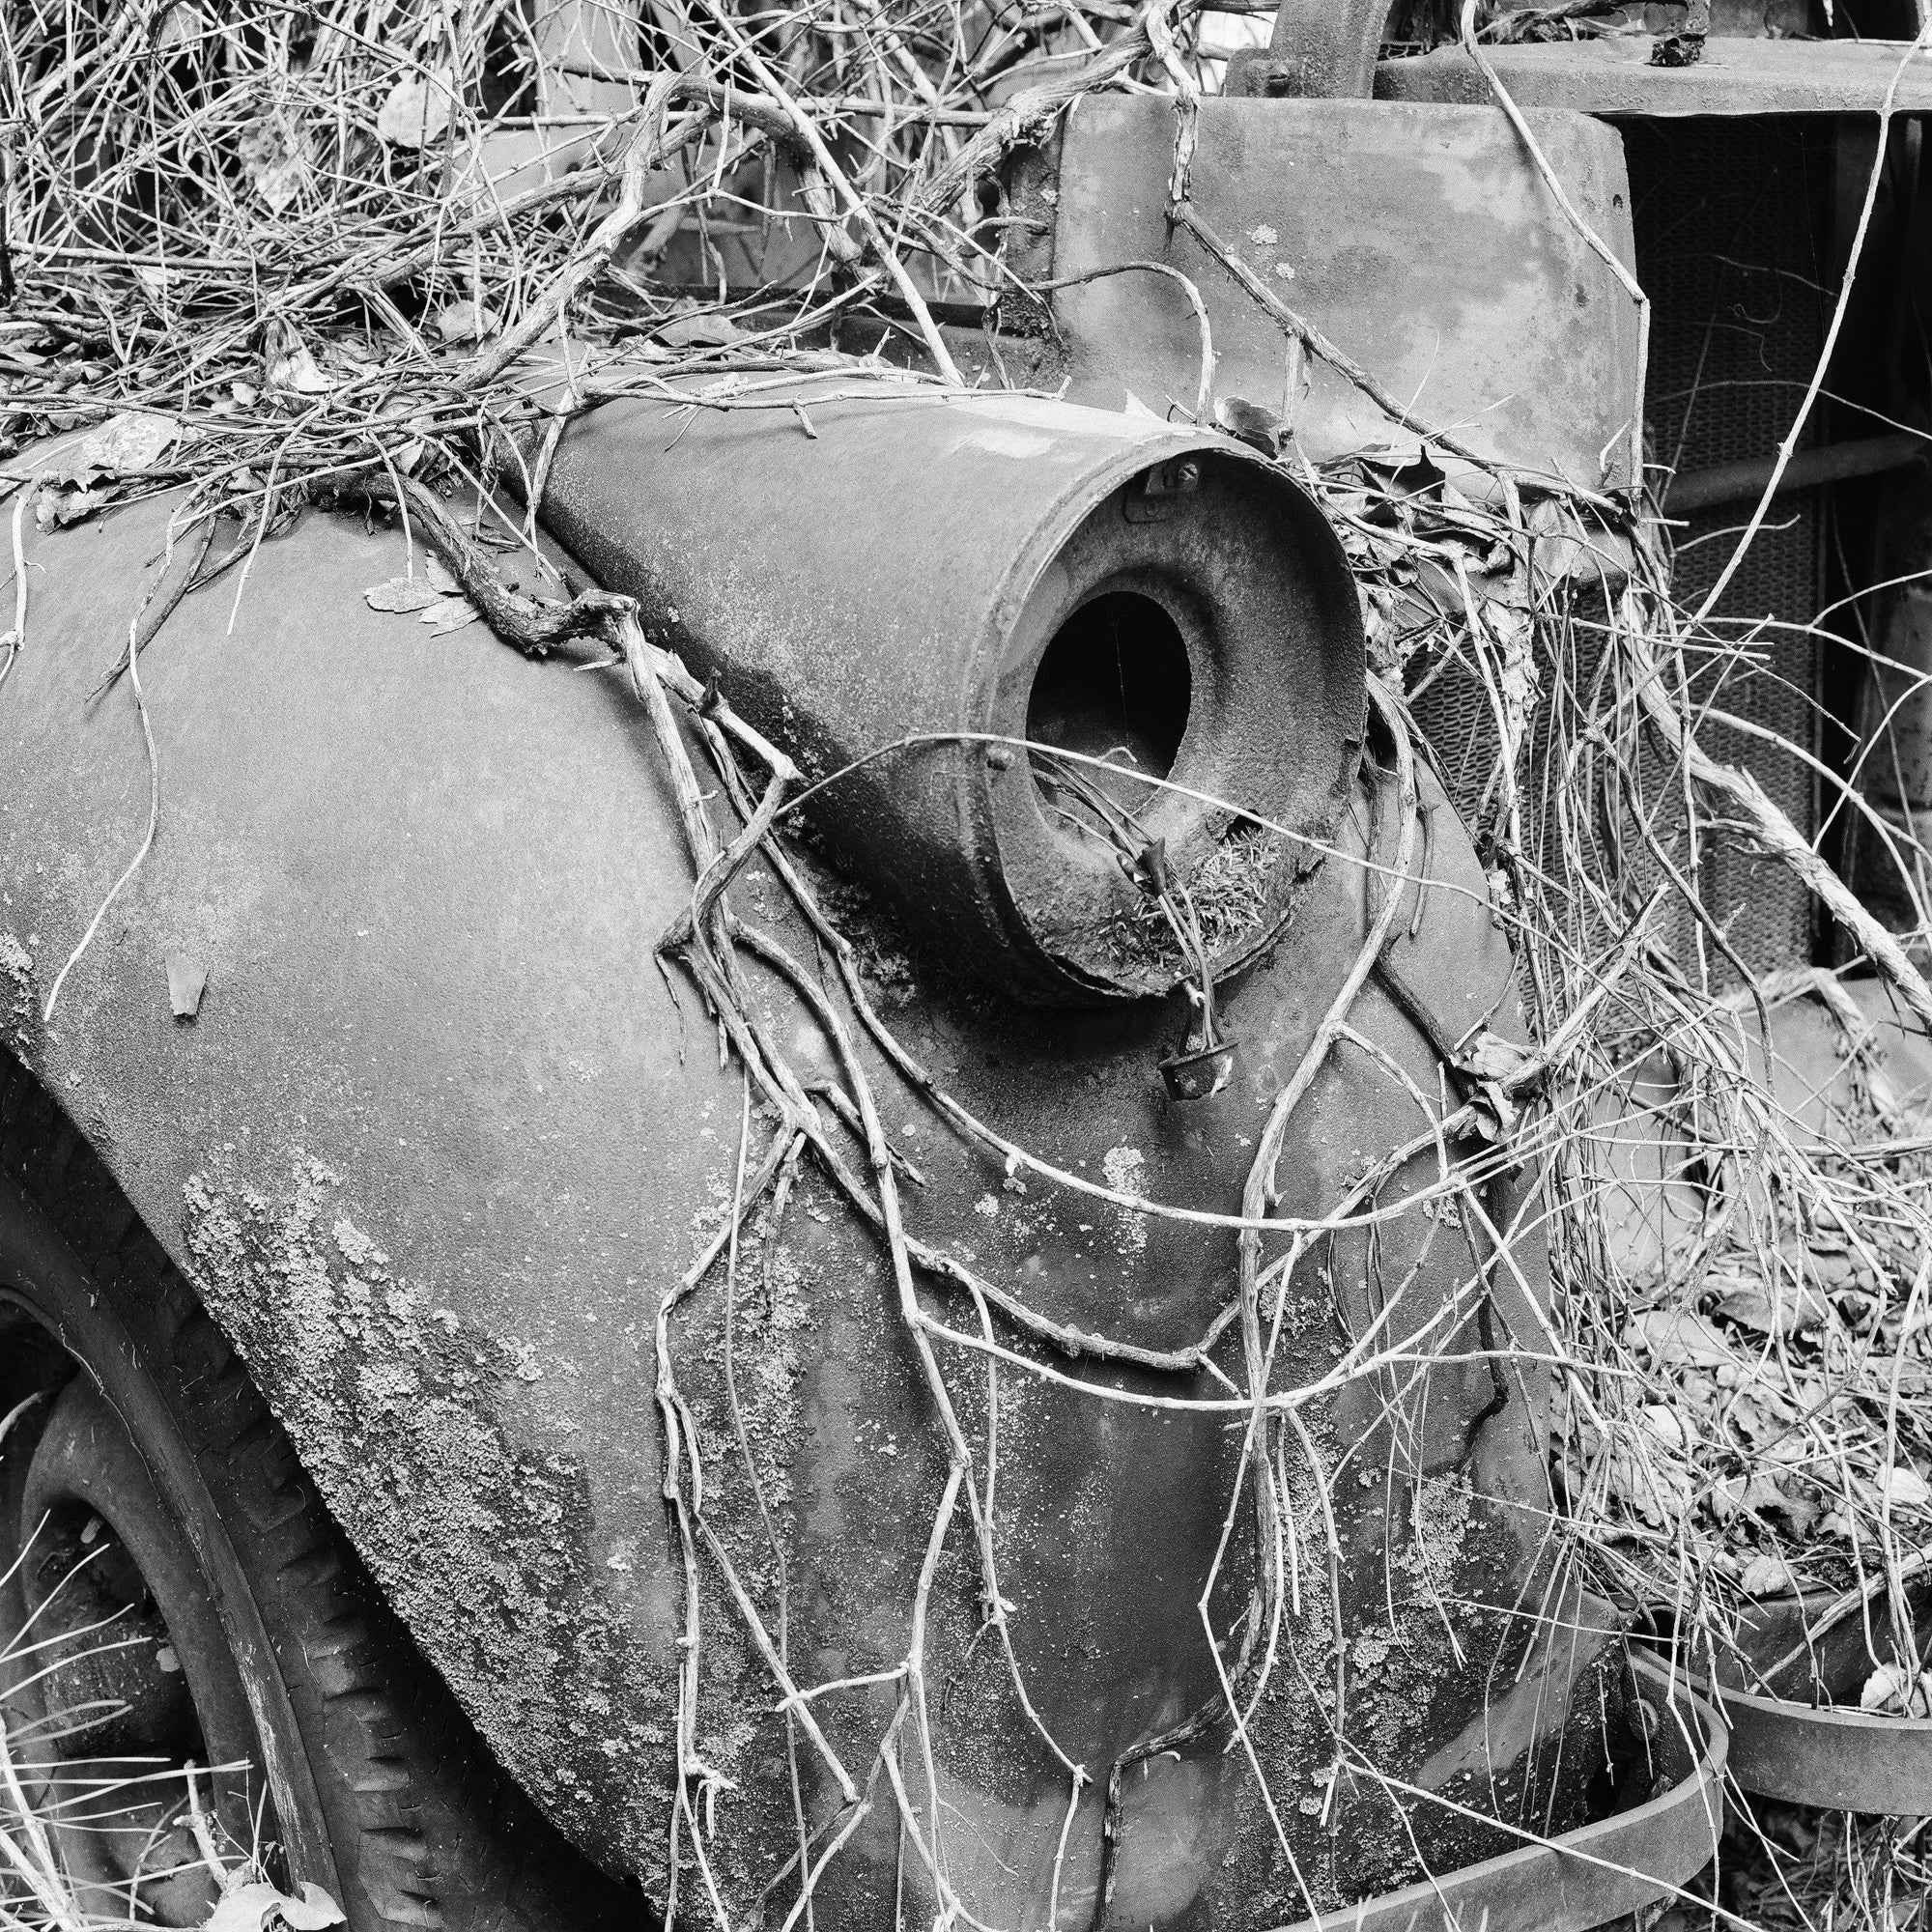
(127, 1403)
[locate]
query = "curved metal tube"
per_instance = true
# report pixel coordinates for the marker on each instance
(916, 568)
(1801, 1752)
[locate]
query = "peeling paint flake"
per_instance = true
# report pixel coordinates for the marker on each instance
(1125, 1169)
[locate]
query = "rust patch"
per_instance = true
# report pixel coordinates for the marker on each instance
(18, 1006)
(484, 1546)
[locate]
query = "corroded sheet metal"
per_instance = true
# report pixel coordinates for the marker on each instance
(1420, 240)
(439, 1138)
(1599, 1873)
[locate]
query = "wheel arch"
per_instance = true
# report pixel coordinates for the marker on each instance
(74, 1264)
(383, 1154)
(418, 1827)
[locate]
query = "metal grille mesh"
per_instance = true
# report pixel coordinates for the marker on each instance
(1733, 246)
(1731, 231)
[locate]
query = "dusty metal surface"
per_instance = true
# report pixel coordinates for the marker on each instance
(1229, 628)
(1613, 77)
(1838, 1760)
(1386, 227)
(438, 1138)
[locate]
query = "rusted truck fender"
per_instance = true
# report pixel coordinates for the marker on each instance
(441, 1134)
(409, 1150)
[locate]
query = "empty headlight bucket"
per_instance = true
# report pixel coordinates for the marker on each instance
(885, 565)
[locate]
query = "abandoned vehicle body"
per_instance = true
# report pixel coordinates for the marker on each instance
(440, 1133)
(603, 1365)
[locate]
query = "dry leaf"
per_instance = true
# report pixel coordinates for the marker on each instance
(275, 165)
(1839, 1522)
(699, 332)
(1767, 1576)
(286, 361)
(131, 441)
(313, 1911)
(403, 593)
(1490, 1057)
(1664, 1426)
(1915, 1378)
(1251, 424)
(1678, 1338)
(278, 185)
(1759, 1413)
(1786, 1308)
(1726, 1497)
(56, 509)
(1799, 1510)
(451, 614)
(1891, 1691)
(1641, 1473)
(466, 322)
(1904, 1488)
(181, 24)
(415, 112)
(252, 1906)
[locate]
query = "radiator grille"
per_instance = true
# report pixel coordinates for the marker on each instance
(1731, 221)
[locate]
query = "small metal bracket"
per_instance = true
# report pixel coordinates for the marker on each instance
(1200, 1073)
(1326, 48)
(1149, 498)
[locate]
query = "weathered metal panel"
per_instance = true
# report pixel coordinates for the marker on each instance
(400, 1148)
(1420, 240)
(439, 1138)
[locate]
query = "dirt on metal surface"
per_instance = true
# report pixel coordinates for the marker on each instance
(17, 980)
(431, 1173)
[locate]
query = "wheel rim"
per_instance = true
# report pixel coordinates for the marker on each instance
(135, 1745)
